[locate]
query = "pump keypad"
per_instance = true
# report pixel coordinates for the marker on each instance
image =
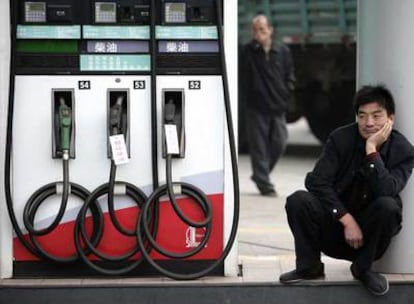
(105, 12)
(35, 12)
(175, 13)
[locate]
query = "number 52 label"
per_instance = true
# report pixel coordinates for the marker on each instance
(194, 84)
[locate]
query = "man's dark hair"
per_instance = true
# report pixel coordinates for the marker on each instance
(379, 94)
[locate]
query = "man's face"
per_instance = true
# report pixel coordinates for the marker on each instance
(371, 118)
(262, 32)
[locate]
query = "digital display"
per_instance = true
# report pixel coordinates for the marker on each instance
(175, 12)
(115, 62)
(107, 7)
(36, 6)
(35, 12)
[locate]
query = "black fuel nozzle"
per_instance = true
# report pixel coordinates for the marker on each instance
(169, 111)
(115, 117)
(173, 129)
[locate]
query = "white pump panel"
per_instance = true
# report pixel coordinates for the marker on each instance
(33, 164)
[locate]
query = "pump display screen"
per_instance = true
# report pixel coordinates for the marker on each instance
(105, 12)
(107, 7)
(35, 11)
(175, 12)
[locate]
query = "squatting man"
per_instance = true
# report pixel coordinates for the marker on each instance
(352, 208)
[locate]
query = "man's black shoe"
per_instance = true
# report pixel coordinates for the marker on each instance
(294, 276)
(269, 192)
(265, 190)
(376, 283)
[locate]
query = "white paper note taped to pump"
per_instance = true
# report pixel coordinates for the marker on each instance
(171, 138)
(119, 150)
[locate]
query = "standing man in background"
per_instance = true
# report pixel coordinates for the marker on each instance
(267, 82)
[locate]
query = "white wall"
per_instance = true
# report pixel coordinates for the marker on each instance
(386, 55)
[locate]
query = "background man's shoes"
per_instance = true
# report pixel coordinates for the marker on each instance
(266, 189)
(312, 273)
(269, 192)
(375, 283)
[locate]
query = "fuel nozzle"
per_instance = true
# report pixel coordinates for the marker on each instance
(115, 117)
(173, 129)
(65, 121)
(169, 111)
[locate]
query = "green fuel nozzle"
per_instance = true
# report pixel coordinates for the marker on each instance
(65, 125)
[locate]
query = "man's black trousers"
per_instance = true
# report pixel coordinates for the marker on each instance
(316, 230)
(267, 135)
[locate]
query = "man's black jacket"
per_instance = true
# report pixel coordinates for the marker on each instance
(267, 80)
(343, 158)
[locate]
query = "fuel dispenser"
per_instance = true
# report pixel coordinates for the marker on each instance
(89, 59)
(191, 93)
(130, 98)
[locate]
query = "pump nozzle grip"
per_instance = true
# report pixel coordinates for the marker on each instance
(115, 117)
(65, 121)
(169, 112)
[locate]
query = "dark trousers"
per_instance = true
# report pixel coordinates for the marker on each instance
(316, 230)
(267, 136)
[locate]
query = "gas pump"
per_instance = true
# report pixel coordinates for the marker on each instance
(128, 96)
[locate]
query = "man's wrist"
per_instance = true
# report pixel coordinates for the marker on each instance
(369, 149)
(346, 219)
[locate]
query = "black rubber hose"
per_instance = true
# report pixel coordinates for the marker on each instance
(154, 139)
(143, 231)
(111, 208)
(9, 133)
(189, 190)
(205, 202)
(81, 235)
(97, 218)
(232, 141)
(37, 198)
